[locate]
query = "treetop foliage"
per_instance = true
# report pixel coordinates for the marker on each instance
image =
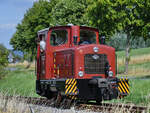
(131, 17)
(69, 11)
(44, 14)
(36, 18)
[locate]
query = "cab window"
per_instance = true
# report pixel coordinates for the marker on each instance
(58, 37)
(87, 37)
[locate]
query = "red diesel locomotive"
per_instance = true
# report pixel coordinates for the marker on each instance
(72, 63)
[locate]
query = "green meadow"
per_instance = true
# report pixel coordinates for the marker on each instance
(139, 64)
(19, 82)
(22, 81)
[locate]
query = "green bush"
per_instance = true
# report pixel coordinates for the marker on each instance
(118, 41)
(3, 60)
(2, 72)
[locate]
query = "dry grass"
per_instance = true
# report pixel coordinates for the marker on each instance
(137, 65)
(134, 60)
(12, 106)
(24, 64)
(139, 71)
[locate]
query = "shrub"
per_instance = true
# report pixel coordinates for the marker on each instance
(3, 60)
(118, 41)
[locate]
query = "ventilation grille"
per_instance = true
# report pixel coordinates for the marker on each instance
(95, 66)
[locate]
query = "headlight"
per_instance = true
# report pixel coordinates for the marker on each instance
(95, 49)
(80, 73)
(110, 73)
(42, 45)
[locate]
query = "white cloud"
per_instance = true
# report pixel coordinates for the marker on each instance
(7, 26)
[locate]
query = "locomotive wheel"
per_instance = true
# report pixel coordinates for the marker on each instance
(66, 103)
(63, 103)
(99, 96)
(50, 95)
(58, 100)
(52, 101)
(98, 101)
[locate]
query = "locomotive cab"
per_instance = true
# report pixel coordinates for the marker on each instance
(72, 63)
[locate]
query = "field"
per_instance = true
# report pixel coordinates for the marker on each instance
(139, 69)
(21, 81)
(139, 64)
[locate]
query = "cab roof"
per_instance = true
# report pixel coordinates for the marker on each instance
(44, 31)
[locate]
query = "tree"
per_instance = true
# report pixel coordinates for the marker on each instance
(118, 41)
(36, 18)
(42, 15)
(69, 11)
(3, 55)
(111, 16)
(102, 15)
(3, 60)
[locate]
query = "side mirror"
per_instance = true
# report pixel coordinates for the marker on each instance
(75, 40)
(102, 40)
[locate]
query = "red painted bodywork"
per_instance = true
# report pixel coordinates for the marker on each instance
(69, 58)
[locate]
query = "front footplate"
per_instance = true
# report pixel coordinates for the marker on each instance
(123, 87)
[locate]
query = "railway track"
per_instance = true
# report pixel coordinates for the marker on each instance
(111, 108)
(104, 107)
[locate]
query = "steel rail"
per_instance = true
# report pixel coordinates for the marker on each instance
(112, 107)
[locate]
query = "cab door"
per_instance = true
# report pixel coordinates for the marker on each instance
(58, 40)
(41, 58)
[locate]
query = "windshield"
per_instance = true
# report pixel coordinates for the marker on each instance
(87, 37)
(59, 37)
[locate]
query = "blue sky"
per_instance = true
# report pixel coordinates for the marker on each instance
(11, 13)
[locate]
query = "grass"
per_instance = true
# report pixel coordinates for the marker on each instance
(19, 82)
(134, 52)
(139, 93)
(139, 66)
(139, 62)
(12, 106)
(22, 81)
(140, 69)
(135, 59)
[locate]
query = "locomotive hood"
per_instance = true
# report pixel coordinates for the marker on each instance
(91, 59)
(95, 49)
